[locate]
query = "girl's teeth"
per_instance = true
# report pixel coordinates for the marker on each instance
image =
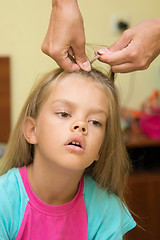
(77, 143)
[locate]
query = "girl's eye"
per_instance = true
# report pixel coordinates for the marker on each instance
(95, 123)
(63, 114)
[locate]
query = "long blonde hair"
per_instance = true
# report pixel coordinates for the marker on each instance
(111, 170)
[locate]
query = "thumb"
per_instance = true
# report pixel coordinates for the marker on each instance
(120, 44)
(82, 60)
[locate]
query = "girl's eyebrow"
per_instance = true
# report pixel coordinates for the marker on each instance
(64, 101)
(72, 104)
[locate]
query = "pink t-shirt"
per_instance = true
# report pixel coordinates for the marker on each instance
(43, 221)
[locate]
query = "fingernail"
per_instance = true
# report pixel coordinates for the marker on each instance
(86, 66)
(102, 51)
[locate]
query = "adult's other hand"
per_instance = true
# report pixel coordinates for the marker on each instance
(135, 49)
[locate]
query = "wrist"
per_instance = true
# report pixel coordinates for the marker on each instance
(62, 2)
(157, 25)
(158, 22)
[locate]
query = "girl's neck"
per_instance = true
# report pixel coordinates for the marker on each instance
(52, 185)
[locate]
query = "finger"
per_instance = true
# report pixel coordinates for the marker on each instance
(122, 42)
(118, 52)
(114, 58)
(81, 58)
(66, 64)
(70, 51)
(124, 68)
(62, 59)
(85, 66)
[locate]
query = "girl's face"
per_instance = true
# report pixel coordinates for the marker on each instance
(70, 128)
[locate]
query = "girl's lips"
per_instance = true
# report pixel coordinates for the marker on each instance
(70, 144)
(74, 148)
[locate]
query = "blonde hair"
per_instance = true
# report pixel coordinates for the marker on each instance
(111, 170)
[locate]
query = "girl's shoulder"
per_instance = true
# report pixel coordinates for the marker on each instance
(93, 192)
(12, 188)
(108, 217)
(8, 182)
(12, 203)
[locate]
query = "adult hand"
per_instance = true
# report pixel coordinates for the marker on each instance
(66, 35)
(135, 49)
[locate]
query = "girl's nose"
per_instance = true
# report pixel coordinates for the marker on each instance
(79, 127)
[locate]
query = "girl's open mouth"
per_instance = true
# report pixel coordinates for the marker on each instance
(76, 143)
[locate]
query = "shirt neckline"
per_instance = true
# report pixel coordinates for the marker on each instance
(47, 208)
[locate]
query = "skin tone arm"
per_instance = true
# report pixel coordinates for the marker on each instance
(66, 35)
(135, 49)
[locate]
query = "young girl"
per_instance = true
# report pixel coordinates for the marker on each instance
(65, 166)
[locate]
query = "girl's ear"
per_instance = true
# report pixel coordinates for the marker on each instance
(29, 130)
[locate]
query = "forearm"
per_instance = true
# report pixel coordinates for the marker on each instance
(63, 2)
(67, 10)
(158, 21)
(158, 29)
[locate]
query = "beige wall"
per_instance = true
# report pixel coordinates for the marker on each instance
(23, 25)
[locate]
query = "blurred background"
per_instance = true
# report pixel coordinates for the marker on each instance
(23, 25)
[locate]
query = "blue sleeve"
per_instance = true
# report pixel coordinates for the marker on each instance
(108, 218)
(12, 205)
